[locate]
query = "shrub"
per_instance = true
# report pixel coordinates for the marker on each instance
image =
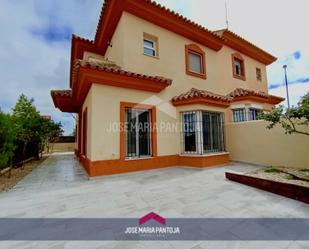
(7, 135)
(272, 170)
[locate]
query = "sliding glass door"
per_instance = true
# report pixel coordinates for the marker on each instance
(189, 132)
(212, 132)
(137, 133)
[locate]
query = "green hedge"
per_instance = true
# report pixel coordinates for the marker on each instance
(6, 140)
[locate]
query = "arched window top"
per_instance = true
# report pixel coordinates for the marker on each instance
(194, 48)
(238, 64)
(195, 61)
(238, 56)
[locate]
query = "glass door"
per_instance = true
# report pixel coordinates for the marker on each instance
(213, 136)
(138, 133)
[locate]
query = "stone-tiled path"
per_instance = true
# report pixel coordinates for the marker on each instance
(61, 189)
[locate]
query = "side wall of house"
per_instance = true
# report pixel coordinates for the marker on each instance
(88, 104)
(251, 142)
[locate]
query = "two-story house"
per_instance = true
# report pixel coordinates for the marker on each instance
(154, 89)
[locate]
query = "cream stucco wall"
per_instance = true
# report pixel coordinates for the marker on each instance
(251, 142)
(105, 137)
(88, 103)
(127, 51)
(105, 142)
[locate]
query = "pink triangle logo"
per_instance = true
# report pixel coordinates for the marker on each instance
(152, 216)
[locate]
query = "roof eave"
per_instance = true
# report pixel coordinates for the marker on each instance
(156, 14)
(240, 44)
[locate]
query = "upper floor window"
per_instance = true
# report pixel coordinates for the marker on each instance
(238, 66)
(150, 44)
(258, 74)
(195, 61)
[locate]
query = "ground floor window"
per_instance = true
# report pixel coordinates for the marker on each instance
(202, 132)
(239, 115)
(253, 113)
(245, 114)
(137, 133)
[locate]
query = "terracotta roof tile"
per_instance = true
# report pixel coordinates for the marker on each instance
(111, 67)
(62, 93)
(183, 18)
(167, 10)
(82, 39)
(195, 93)
(221, 34)
(240, 92)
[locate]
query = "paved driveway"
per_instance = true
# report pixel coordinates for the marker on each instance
(60, 189)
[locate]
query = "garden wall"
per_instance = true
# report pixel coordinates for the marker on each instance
(251, 142)
(63, 147)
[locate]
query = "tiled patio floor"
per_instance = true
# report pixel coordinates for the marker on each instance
(61, 189)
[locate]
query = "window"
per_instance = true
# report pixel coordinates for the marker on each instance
(253, 113)
(246, 114)
(202, 132)
(239, 115)
(195, 61)
(150, 45)
(258, 74)
(149, 48)
(238, 66)
(137, 133)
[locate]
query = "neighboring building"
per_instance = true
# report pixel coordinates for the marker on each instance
(149, 66)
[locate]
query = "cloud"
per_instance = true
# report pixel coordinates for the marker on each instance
(297, 81)
(297, 55)
(53, 33)
(295, 92)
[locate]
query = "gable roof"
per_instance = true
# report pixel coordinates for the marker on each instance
(196, 96)
(85, 73)
(161, 16)
(156, 14)
(243, 94)
(244, 46)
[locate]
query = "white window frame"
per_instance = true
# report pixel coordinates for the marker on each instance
(199, 143)
(244, 113)
(252, 108)
(154, 48)
(246, 109)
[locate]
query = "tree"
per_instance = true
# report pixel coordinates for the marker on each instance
(33, 131)
(290, 119)
(27, 121)
(6, 140)
(50, 132)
